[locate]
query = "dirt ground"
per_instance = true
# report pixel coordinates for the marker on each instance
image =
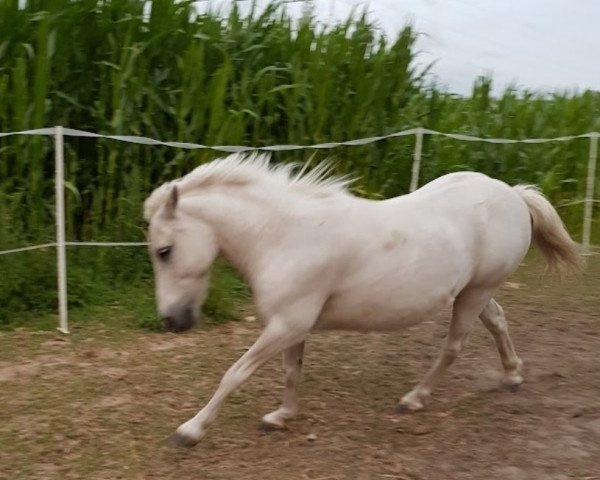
(100, 403)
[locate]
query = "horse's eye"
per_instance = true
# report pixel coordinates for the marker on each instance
(163, 253)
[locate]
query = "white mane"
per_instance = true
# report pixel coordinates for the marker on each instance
(242, 169)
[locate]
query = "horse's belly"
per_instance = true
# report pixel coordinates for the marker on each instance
(352, 312)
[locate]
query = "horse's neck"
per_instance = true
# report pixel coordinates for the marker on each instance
(239, 222)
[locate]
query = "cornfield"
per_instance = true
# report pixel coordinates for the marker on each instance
(159, 69)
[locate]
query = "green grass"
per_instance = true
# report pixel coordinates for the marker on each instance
(132, 303)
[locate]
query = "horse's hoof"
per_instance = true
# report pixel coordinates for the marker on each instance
(512, 381)
(411, 402)
(177, 440)
(268, 427)
(403, 409)
(274, 421)
(511, 387)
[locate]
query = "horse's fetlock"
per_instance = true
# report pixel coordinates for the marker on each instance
(452, 351)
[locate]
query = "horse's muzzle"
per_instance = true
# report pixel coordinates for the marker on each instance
(182, 320)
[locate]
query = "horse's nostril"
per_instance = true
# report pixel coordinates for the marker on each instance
(179, 322)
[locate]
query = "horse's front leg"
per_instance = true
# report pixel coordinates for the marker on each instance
(285, 329)
(274, 339)
(292, 364)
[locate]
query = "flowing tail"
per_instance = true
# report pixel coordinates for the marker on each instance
(549, 233)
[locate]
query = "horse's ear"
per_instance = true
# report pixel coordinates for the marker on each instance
(172, 201)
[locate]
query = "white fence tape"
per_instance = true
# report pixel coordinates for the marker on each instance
(106, 244)
(59, 133)
(75, 244)
(69, 132)
(26, 249)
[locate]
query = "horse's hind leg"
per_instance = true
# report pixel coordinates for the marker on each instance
(493, 318)
(467, 307)
(292, 364)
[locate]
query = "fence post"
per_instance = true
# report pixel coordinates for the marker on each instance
(61, 257)
(589, 193)
(416, 166)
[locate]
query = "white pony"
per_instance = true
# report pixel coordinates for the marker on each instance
(317, 258)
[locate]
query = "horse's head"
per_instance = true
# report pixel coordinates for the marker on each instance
(182, 249)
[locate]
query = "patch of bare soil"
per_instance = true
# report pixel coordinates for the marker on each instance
(94, 409)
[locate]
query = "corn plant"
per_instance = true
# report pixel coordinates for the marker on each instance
(160, 69)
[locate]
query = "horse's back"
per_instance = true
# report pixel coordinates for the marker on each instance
(454, 178)
(466, 186)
